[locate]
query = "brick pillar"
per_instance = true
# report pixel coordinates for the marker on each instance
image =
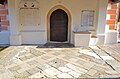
(111, 23)
(112, 16)
(4, 22)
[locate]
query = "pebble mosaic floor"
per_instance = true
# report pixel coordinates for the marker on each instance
(19, 62)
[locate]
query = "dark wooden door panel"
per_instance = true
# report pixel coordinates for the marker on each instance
(58, 26)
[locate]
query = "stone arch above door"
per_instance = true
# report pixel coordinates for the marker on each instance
(69, 21)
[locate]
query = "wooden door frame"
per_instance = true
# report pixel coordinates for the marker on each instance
(69, 21)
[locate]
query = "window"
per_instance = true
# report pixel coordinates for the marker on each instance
(87, 18)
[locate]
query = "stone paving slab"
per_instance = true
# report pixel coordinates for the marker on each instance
(23, 62)
(111, 50)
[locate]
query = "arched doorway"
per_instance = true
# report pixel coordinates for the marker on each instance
(59, 24)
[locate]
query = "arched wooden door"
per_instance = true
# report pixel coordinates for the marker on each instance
(59, 26)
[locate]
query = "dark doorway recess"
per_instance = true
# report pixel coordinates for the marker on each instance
(59, 26)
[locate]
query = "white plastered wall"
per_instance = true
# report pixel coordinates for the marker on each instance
(38, 34)
(102, 8)
(4, 37)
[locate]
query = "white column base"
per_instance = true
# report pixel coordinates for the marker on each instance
(81, 40)
(15, 40)
(111, 37)
(101, 39)
(93, 41)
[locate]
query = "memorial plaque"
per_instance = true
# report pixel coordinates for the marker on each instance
(87, 18)
(29, 13)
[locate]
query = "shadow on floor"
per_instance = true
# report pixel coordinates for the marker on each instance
(56, 45)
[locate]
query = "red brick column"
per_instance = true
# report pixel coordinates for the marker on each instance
(4, 17)
(112, 16)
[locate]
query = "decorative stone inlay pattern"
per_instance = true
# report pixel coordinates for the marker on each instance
(15, 68)
(33, 62)
(37, 75)
(2, 69)
(74, 74)
(51, 72)
(92, 72)
(64, 69)
(83, 62)
(33, 70)
(57, 63)
(64, 75)
(22, 75)
(44, 66)
(76, 68)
